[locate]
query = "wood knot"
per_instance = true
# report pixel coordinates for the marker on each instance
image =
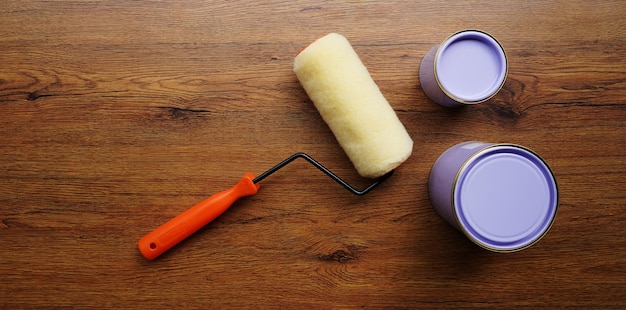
(179, 113)
(32, 96)
(182, 113)
(339, 256)
(505, 113)
(343, 256)
(506, 110)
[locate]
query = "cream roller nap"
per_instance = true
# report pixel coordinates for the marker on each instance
(350, 102)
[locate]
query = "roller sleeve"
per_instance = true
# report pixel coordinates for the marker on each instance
(350, 102)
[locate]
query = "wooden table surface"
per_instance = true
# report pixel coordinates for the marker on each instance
(116, 116)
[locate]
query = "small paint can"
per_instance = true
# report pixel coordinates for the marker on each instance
(469, 67)
(503, 197)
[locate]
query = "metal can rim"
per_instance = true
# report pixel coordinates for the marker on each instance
(463, 168)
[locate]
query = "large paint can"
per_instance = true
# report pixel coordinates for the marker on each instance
(503, 197)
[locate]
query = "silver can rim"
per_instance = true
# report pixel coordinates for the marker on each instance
(465, 166)
(455, 98)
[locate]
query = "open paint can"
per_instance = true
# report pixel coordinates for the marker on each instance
(503, 197)
(467, 68)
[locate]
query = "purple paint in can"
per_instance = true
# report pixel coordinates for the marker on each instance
(503, 197)
(467, 68)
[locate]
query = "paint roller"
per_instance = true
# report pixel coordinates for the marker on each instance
(349, 101)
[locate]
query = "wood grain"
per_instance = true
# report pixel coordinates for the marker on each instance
(117, 115)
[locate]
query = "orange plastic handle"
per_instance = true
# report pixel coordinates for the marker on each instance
(182, 226)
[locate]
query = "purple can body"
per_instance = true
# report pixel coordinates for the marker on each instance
(467, 68)
(503, 197)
